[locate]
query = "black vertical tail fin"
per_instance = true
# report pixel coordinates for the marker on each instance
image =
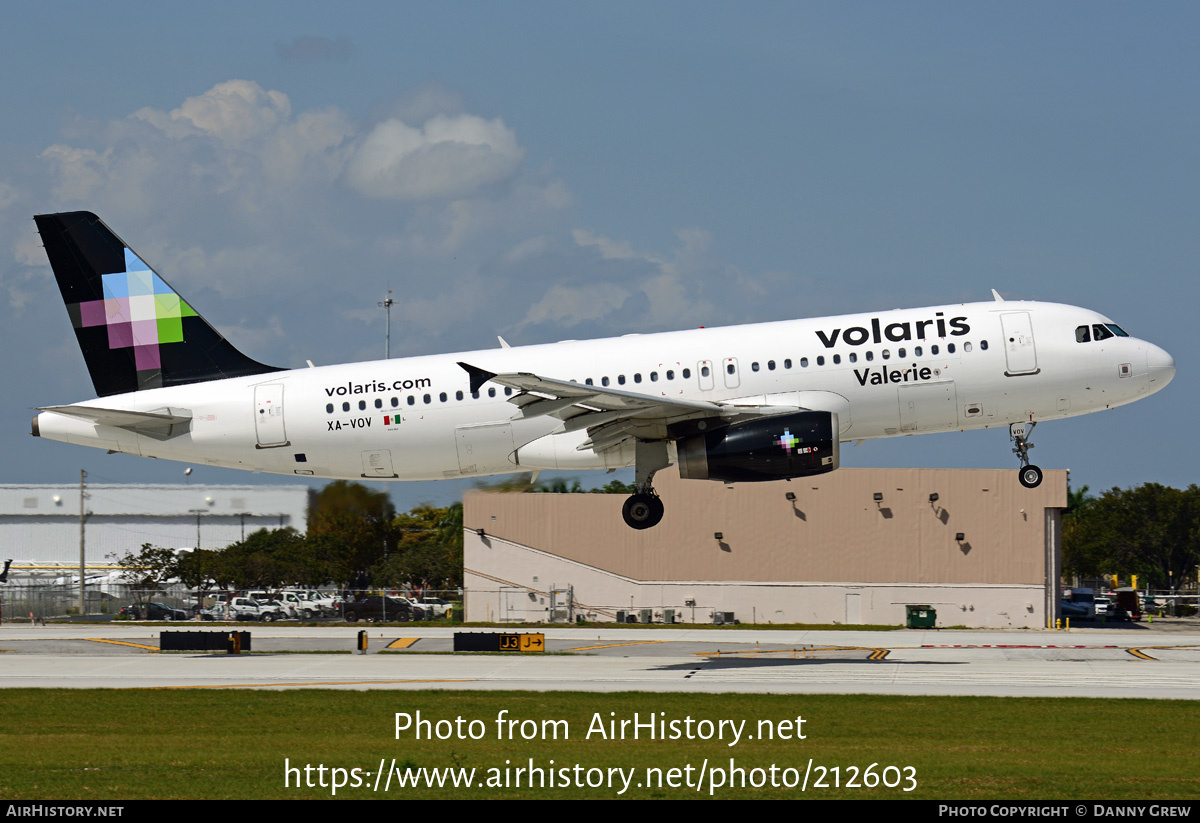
(135, 331)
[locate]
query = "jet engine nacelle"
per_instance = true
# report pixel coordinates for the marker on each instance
(770, 448)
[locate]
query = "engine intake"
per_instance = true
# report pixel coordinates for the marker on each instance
(770, 448)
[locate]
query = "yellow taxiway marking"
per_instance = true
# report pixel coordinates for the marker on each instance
(617, 645)
(313, 684)
(123, 643)
(875, 653)
(1137, 652)
(402, 642)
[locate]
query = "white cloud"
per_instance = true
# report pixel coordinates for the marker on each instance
(307, 216)
(232, 111)
(571, 305)
(446, 157)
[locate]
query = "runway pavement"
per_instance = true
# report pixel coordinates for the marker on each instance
(1162, 661)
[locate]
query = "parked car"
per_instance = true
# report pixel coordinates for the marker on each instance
(161, 611)
(376, 607)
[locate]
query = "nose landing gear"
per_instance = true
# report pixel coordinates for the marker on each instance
(1029, 474)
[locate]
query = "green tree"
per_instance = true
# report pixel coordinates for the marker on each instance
(1150, 530)
(351, 529)
(147, 570)
(428, 551)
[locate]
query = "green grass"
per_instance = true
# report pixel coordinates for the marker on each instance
(208, 743)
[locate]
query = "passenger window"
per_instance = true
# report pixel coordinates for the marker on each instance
(870, 356)
(901, 353)
(703, 371)
(917, 351)
(621, 379)
(379, 402)
(886, 354)
(966, 346)
(396, 402)
(329, 409)
(653, 377)
(1083, 334)
(671, 374)
(770, 365)
(950, 348)
(428, 398)
(345, 407)
(787, 364)
(412, 400)
(474, 396)
(983, 345)
(803, 363)
(933, 350)
(853, 357)
(730, 369)
(637, 377)
(442, 397)
(362, 405)
(589, 382)
(753, 366)
(837, 358)
(603, 381)
(687, 373)
(508, 391)
(820, 360)
(458, 395)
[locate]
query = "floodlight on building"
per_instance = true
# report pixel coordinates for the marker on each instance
(933, 498)
(878, 496)
(790, 496)
(719, 535)
(960, 537)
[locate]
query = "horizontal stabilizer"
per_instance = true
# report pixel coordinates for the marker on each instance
(160, 424)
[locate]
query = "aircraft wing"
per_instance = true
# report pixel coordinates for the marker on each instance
(610, 415)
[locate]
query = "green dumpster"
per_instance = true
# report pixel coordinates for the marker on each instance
(921, 617)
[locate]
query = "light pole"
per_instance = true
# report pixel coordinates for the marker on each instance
(387, 335)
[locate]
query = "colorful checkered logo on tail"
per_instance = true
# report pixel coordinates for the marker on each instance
(139, 309)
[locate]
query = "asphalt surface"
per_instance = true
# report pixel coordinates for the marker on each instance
(1159, 660)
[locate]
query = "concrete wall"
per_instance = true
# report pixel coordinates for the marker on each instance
(834, 554)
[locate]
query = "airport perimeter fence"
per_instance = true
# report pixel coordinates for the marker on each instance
(39, 602)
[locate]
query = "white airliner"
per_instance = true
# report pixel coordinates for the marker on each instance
(741, 403)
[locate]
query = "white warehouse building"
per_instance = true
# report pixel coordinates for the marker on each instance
(40, 525)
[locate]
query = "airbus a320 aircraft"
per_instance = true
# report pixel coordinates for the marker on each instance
(742, 403)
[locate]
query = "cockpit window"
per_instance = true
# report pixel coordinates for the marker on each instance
(1101, 333)
(1117, 330)
(1083, 335)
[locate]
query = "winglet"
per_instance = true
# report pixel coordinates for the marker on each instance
(997, 296)
(503, 342)
(478, 376)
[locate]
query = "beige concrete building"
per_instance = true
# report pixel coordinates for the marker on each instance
(852, 546)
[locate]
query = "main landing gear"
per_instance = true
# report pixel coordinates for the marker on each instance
(1029, 474)
(644, 509)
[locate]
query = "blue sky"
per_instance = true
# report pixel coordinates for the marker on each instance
(570, 170)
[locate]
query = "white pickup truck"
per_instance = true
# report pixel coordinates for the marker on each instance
(247, 608)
